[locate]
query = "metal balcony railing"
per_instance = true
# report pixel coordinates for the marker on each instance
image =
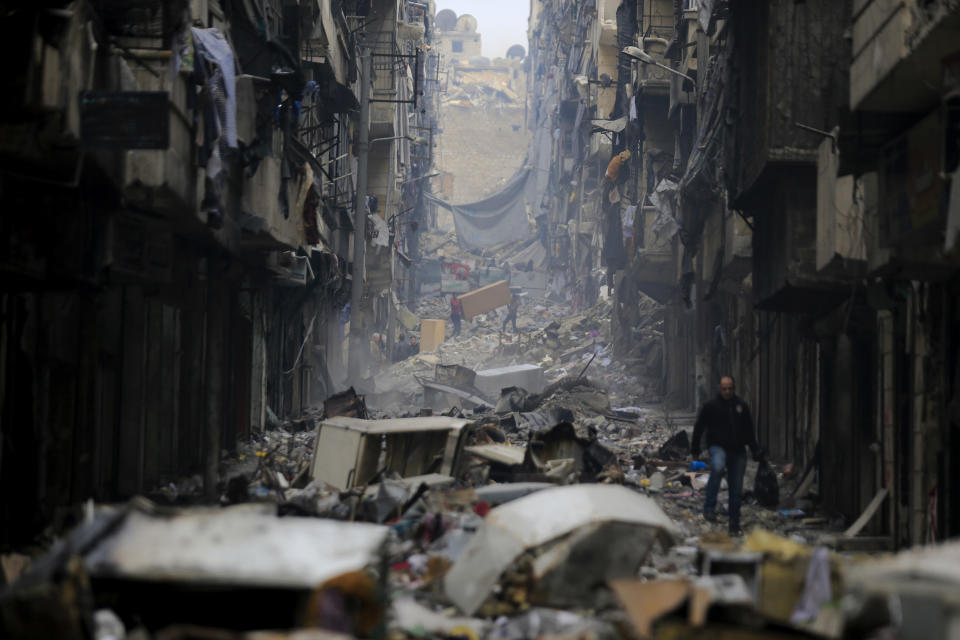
(386, 60)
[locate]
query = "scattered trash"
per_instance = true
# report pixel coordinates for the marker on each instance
(676, 448)
(766, 488)
(792, 513)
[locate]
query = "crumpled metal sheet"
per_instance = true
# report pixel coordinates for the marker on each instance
(550, 515)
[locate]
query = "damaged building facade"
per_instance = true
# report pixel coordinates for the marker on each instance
(791, 203)
(179, 186)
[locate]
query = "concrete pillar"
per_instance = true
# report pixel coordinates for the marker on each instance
(258, 364)
(214, 375)
(130, 460)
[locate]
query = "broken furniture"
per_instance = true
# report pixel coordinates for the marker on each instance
(526, 376)
(348, 450)
(432, 334)
(493, 296)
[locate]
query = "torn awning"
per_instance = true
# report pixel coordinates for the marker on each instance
(500, 218)
(614, 126)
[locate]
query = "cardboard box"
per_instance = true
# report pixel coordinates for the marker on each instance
(432, 334)
(484, 299)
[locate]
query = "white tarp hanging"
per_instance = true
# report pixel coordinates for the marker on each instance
(500, 218)
(664, 198)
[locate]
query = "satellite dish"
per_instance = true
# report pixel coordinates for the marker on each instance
(446, 20)
(467, 23)
(516, 51)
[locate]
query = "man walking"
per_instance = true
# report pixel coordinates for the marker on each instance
(512, 309)
(456, 312)
(729, 429)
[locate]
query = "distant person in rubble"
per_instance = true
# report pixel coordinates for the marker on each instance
(456, 314)
(729, 430)
(403, 350)
(512, 309)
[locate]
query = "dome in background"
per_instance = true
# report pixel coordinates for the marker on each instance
(467, 23)
(516, 51)
(446, 20)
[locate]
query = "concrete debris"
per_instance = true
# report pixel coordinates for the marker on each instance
(913, 594)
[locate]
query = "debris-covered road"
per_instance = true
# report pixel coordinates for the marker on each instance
(501, 486)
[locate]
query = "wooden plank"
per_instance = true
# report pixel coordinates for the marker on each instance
(868, 513)
(484, 299)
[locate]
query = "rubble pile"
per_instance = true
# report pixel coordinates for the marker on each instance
(562, 345)
(504, 486)
(552, 513)
(480, 89)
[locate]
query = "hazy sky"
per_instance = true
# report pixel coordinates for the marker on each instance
(501, 23)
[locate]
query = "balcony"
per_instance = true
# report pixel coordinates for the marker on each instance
(653, 79)
(907, 233)
(655, 273)
(386, 65)
(738, 258)
(266, 224)
(160, 180)
(267, 221)
(899, 52)
(682, 92)
(607, 21)
(841, 239)
(654, 266)
(40, 133)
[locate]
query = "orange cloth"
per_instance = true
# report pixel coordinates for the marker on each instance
(613, 169)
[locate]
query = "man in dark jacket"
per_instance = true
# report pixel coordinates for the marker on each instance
(729, 429)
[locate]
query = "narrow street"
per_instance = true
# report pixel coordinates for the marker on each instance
(457, 320)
